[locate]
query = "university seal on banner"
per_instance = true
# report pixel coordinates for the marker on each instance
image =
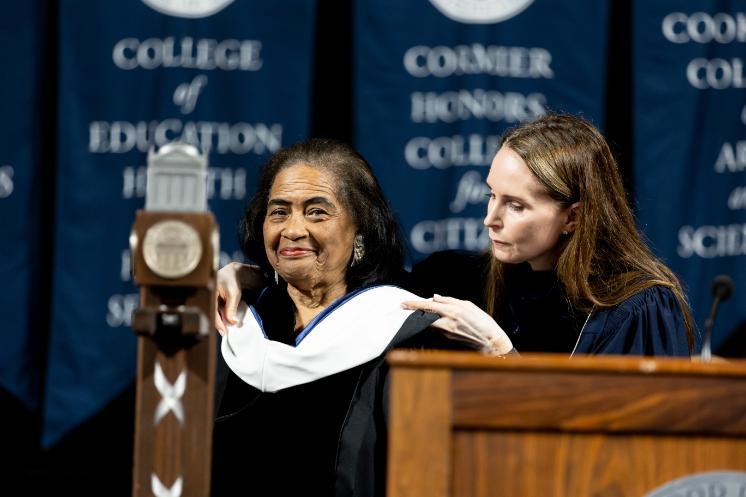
(715, 483)
(192, 9)
(481, 11)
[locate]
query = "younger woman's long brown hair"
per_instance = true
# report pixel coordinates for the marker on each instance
(605, 260)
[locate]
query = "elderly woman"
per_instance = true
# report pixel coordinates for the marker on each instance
(301, 410)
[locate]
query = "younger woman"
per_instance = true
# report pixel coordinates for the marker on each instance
(569, 271)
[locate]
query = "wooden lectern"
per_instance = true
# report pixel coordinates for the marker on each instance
(462, 424)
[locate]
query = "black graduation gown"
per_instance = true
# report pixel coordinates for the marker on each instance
(648, 323)
(324, 438)
(537, 316)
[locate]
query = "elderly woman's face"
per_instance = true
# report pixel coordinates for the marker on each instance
(308, 233)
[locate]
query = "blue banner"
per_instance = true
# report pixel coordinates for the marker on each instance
(690, 145)
(232, 78)
(436, 84)
(25, 121)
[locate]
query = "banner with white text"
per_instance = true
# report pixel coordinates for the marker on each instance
(690, 145)
(22, 149)
(436, 84)
(232, 78)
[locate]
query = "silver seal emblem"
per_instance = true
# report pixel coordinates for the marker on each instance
(714, 483)
(481, 11)
(172, 249)
(191, 9)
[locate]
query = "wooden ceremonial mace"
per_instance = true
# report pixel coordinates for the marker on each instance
(175, 250)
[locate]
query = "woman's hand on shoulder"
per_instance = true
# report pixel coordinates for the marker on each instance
(463, 320)
(232, 279)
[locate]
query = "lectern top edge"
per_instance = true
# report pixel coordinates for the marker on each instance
(561, 362)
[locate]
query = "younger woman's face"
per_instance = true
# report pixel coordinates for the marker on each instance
(524, 223)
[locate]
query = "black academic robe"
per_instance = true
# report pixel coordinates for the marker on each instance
(648, 323)
(537, 316)
(324, 438)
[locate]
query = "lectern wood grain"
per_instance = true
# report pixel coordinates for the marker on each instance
(599, 401)
(422, 459)
(498, 463)
(543, 425)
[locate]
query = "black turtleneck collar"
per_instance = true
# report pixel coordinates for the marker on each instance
(537, 315)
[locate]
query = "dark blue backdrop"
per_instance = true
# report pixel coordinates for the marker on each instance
(235, 82)
(89, 85)
(434, 93)
(690, 145)
(22, 175)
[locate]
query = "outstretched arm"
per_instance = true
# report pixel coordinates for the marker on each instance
(462, 320)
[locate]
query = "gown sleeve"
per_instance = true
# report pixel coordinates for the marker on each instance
(649, 323)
